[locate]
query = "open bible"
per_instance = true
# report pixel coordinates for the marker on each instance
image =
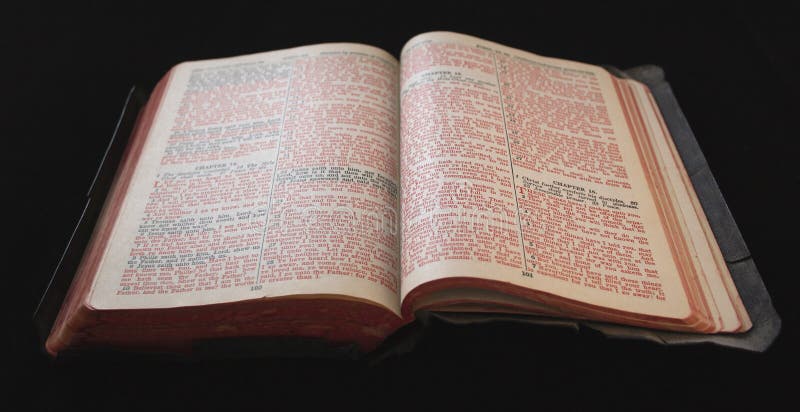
(332, 192)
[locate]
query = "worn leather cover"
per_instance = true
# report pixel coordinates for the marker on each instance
(56, 290)
(766, 322)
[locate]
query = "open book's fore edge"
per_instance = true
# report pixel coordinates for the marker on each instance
(64, 272)
(766, 322)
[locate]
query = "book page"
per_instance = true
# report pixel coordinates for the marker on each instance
(521, 169)
(267, 175)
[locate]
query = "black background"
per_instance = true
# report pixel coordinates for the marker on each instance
(66, 70)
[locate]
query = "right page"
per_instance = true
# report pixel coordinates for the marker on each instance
(526, 175)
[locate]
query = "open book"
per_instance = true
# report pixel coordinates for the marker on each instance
(332, 191)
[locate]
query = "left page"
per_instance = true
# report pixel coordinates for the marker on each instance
(268, 175)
